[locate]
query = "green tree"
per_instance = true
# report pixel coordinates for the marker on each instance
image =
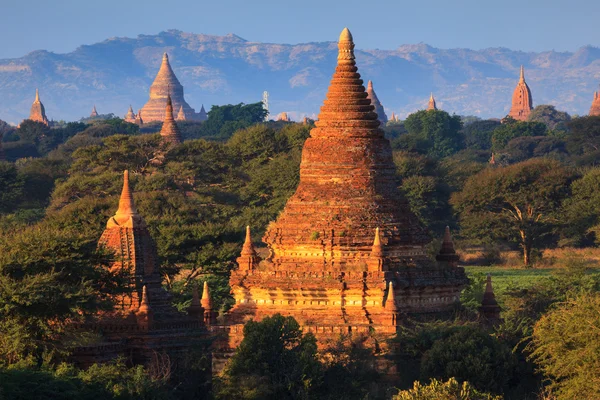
(511, 129)
(440, 390)
(550, 116)
(223, 121)
(438, 130)
(583, 140)
(273, 361)
(11, 187)
(478, 134)
(518, 203)
(566, 346)
(582, 209)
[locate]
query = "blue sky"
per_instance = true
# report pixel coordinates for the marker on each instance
(529, 25)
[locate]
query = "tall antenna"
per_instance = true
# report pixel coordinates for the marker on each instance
(265, 101)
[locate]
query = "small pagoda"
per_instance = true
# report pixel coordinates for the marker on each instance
(522, 102)
(371, 95)
(38, 112)
(432, 104)
(595, 108)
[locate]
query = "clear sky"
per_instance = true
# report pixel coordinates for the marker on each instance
(529, 25)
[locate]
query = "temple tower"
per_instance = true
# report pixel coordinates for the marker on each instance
(489, 311)
(130, 116)
(371, 95)
(432, 105)
(347, 232)
(94, 112)
(522, 102)
(38, 112)
(138, 118)
(595, 108)
(169, 131)
(283, 117)
(202, 115)
(165, 84)
(181, 114)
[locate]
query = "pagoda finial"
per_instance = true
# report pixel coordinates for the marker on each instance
(206, 298)
(144, 304)
(489, 310)
(432, 105)
(375, 261)
(346, 48)
(370, 85)
(195, 309)
(447, 253)
(37, 94)
(126, 205)
(248, 248)
(522, 77)
(447, 243)
(165, 56)
(390, 303)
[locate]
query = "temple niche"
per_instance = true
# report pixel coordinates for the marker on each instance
(522, 102)
(346, 255)
(143, 321)
(166, 83)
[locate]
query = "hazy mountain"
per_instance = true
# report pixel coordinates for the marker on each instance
(228, 69)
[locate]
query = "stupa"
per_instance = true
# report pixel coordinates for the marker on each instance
(595, 108)
(169, 131)
(371, 95)
(283, 117)
(38, 112)
(130, 116)
(490, 310)
(202, 115)
(94, 113)
(181, 114)
(165, 84)
(522, 102)
(346, 243)
(432, 105)
(143, 321)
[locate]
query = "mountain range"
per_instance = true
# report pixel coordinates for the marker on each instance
(216, 70)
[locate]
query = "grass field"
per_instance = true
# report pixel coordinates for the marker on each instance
(503, 277)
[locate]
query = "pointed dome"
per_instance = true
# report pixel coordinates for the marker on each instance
(144, 304)
(447, 252)
(202, 115)
(347, 184)
(371, 95)
(522, 102)
(595, 108)
(206, 298)
(181, 114)
(165, 84)
(248, 248)
(432, 105)
(170, 131)
(38, 112)
(94, 112)
(390, 303)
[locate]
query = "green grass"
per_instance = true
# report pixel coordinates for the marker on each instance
(502, 278)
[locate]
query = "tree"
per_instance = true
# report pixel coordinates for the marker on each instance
(518, 203)
(438, 129)
(478, 134)
(511, 129)
(582, 209)
(11, 185)
(440, 390)
(223, 121)
(550, 116)
(584, 139)
(273, 361)
(566, 346)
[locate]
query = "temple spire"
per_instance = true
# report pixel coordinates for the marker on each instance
(94, 112)
(206, 298)
(432, 105)
(522, 101)
(345, 48)
(248, 248)
(126, 205)
(447, 253)
(37, 95)
(489, 310)
(375, 261)
(522, 77)
(248, 258)
(169, 130)
(195, 309)
(390, 303)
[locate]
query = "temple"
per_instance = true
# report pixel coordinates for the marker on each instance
(130, 116)
(143, 321)
(489, 311)
(371, 95)
(283, 117)
(94, 113)
(181, 114)
(595, 108)
(169, 131)
(202, 115)
(432, 105)
(38, 112)
(394, 117)
(346, 255)
(166, 84)
(522, 102)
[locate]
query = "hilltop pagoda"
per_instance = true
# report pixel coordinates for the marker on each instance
(94, 113)
(522, 102)
(38, 112)
(432, 105)
(346, 254)
(143, 321)
(166, 84)
(595, 108)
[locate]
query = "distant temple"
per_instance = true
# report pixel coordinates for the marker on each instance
(202, 115)
(432, 105)
(283, 117)
(169, 131)
(94, 112)
(371, 95)
(143, 322)
(394, 117)
(489, 311)
(166, 83)
(38, 112)
(346, 254)
(130, 116)
(522, 102)
(181, 114)
(595, 108)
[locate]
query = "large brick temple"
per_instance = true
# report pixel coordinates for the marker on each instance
(346, 254)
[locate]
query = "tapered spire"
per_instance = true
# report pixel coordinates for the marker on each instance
(94, 112)
(595, 108)
(390, 303)
(492, 159)
(522, 101)
(432, 105)
(195, 309)
(377, 250)
(144, 304)
(181, 114)
(522, 77)
(375, 261)
(248, 259)
(447, 253)
(37, 95)
(371, 95)
(206, 298)
(248, 248)
(170, 131)
(38, 112)
(126, 205)
(489, 310)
